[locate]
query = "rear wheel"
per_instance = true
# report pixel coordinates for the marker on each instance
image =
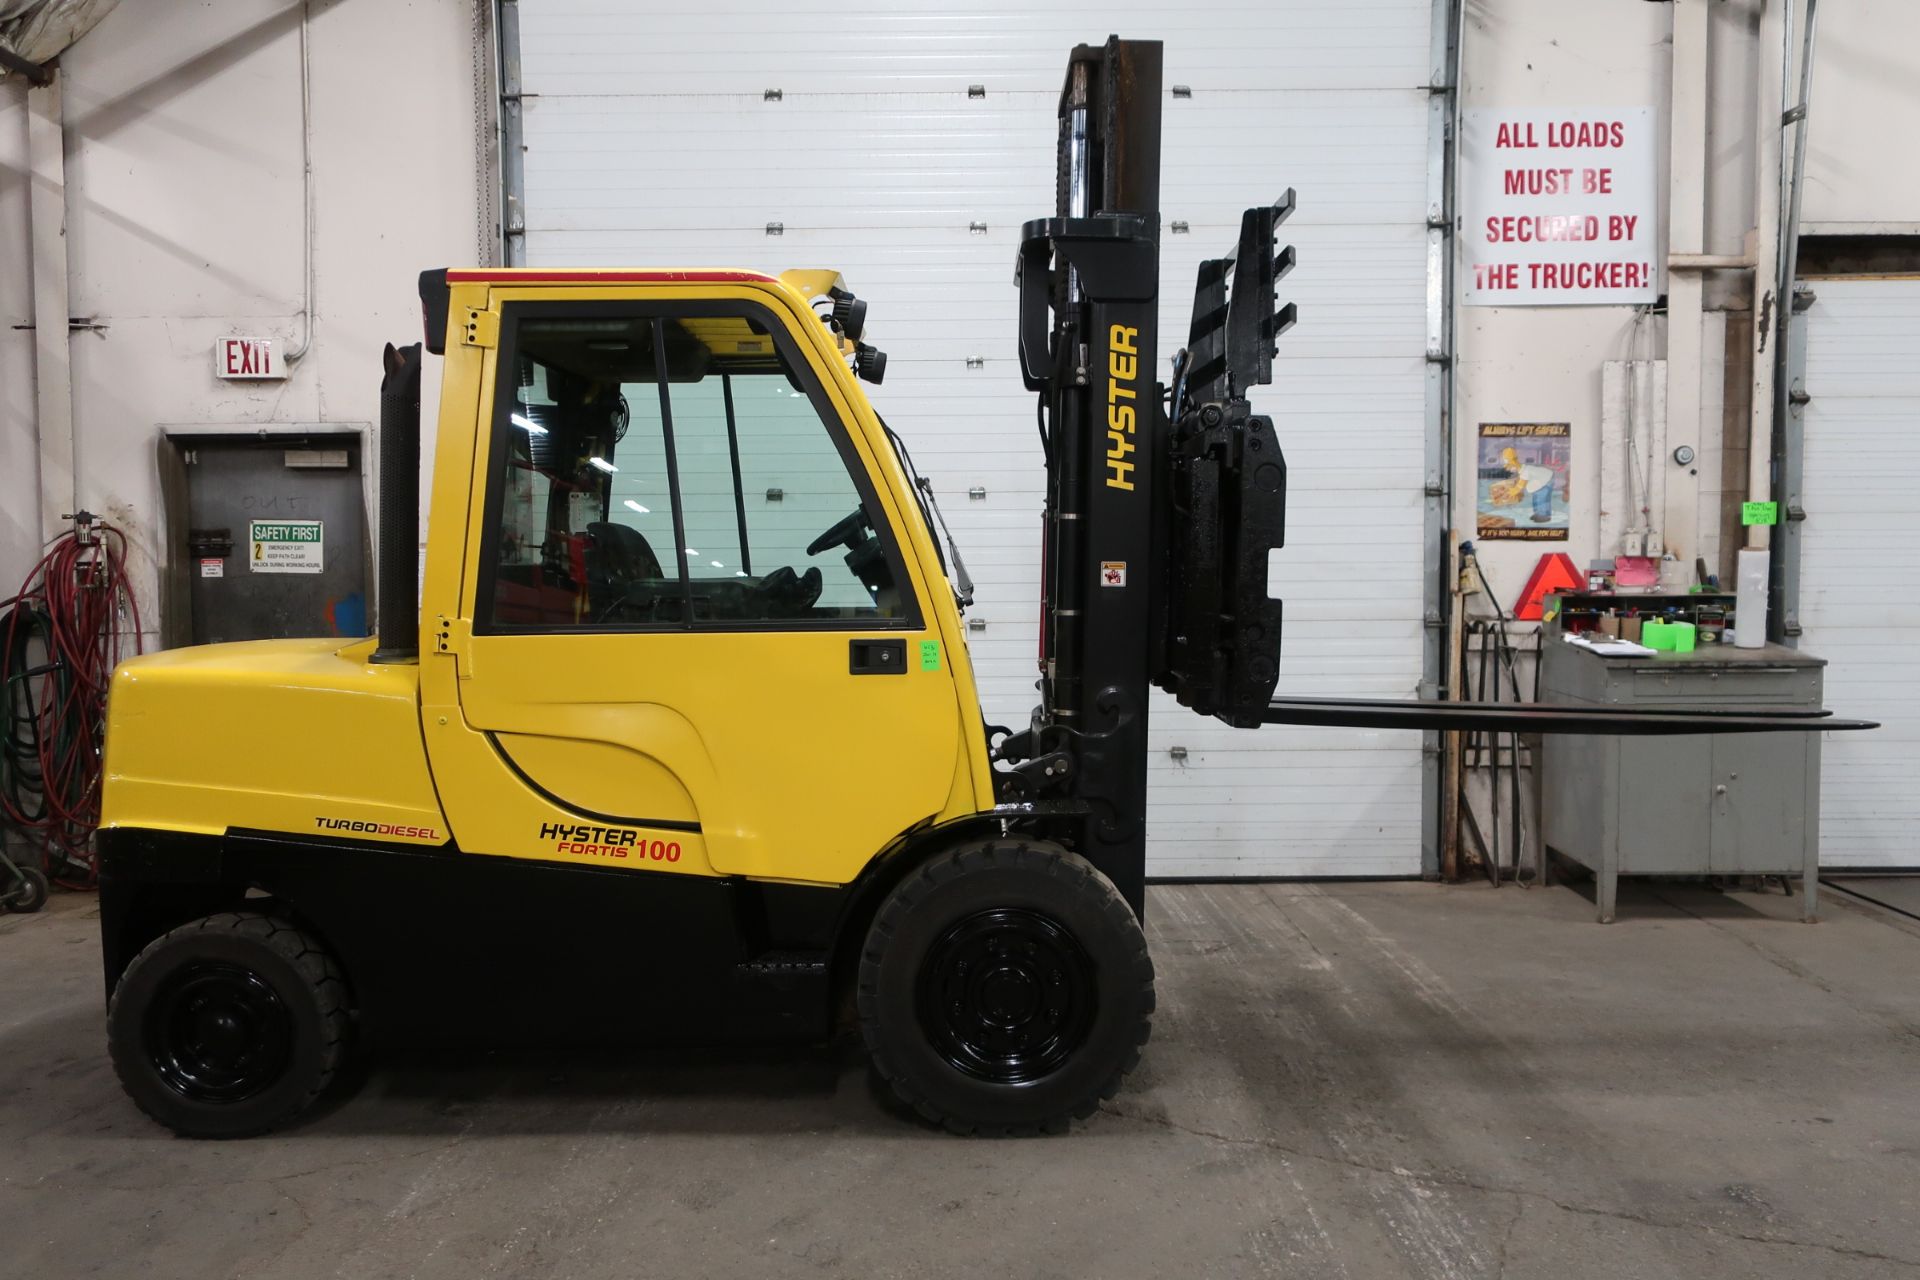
(228, 1026)
(1005, 988)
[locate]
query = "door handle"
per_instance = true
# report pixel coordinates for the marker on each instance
(877, 657)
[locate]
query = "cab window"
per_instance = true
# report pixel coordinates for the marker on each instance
(672, 471)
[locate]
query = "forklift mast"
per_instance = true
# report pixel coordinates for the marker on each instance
(1161, 505)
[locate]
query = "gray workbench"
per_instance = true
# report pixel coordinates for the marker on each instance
(1694, 804)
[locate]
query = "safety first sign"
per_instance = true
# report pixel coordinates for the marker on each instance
(1561, 207)
(286, 546)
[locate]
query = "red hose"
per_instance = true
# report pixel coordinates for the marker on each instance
(57, 705)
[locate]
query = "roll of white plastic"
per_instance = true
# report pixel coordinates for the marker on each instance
(1750, 600)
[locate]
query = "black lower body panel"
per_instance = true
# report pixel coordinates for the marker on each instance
(442, 947)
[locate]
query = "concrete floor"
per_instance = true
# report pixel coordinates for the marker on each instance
(1345, 1080)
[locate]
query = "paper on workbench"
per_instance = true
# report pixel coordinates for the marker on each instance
(1608, 647)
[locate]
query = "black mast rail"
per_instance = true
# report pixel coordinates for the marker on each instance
(1095, 266)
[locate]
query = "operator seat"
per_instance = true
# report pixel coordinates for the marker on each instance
(619, 559)
(623, 553)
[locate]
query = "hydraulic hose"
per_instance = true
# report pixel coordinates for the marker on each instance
(73, 620)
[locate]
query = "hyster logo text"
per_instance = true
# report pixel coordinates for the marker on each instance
(607, 842)
(585, 834)
(1123, 366)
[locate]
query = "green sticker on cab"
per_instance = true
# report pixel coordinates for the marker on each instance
(929, 655)
(1759, 513)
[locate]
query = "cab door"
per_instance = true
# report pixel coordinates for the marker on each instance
(692, 642)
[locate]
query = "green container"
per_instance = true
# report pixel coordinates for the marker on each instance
(1660, 635)
(1683, 634)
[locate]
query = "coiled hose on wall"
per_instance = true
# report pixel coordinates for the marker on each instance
(60, 638)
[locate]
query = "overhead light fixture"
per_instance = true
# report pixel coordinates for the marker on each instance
(634, 506)
(603, 464)
(527, 424)
(692, 552)
(716, 564)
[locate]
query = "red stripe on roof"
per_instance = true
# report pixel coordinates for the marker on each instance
(589, 275)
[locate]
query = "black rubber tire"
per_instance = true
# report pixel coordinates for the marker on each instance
(303, 978)
(938, 898)
(29, 892)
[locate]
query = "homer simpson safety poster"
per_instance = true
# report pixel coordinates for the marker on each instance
(1523, 481)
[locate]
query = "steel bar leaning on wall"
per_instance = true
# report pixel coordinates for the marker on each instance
(1686, 238)
(1790, 349)
(1787, 545)
(1776, 28)
(52, 360)
(294, 354)
(1443, 132)
(513, 164)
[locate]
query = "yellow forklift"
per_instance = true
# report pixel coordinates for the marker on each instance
(679, 737)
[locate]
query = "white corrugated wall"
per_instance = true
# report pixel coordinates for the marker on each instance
(652, 137)
(1860, 561)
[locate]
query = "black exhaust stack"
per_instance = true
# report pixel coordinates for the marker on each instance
(399, 574)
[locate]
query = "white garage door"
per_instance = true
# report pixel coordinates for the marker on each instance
(683, 135)
(1859, 571)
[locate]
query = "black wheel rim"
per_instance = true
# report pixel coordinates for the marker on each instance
(218, 1032)
(1006, 995)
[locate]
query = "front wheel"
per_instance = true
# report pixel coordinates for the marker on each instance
(229, 1026)
(1005, 988)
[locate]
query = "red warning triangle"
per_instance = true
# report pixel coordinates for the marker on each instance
(1555, 572)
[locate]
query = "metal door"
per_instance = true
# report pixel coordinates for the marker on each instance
(276, 537)
(1859, 600)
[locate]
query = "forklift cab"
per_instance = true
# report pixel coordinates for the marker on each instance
(696, 604)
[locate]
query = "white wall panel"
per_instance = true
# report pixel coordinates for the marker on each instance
(19, 439)
(1862, 96)
(1859, 574)
(650, 140)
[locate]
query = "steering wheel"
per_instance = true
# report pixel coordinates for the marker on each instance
(845, 532)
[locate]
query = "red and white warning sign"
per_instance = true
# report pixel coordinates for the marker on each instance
(1561, 207)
